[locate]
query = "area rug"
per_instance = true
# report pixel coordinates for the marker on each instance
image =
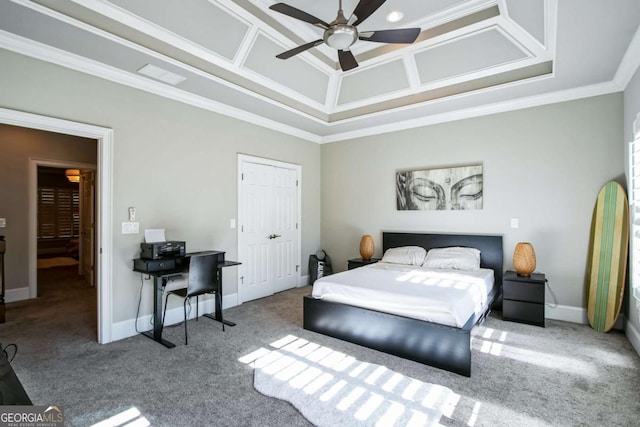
(56, 262)
(330, 388)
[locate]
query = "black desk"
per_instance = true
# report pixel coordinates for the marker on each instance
(160, 280)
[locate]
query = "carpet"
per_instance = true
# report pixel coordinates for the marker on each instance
(330, 388)
(56, 262)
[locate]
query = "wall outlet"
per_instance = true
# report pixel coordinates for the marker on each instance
(130, 227)
(514, 222)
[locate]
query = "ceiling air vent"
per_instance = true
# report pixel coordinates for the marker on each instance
(162, 75)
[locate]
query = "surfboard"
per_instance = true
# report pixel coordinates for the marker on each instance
(607, 263)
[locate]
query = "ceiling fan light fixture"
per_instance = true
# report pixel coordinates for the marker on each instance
(340, 36)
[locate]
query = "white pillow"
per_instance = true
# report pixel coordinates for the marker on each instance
(408, 255)
(456, 257)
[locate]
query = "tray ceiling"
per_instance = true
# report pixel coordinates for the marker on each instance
(471, 57)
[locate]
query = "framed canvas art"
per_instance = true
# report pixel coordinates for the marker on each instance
(455, 188)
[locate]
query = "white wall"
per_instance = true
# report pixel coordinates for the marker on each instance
(542, 165)
(175, 163)
(631, 110)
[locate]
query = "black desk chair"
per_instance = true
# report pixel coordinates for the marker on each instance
(203, 279)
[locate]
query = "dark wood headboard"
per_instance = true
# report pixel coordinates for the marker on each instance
(490, 246)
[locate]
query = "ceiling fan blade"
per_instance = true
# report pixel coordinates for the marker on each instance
(365, 9)
(296, 50)
(347, 60)
(403, 35)
(298, 14)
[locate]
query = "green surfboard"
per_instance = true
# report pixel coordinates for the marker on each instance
(607, 263)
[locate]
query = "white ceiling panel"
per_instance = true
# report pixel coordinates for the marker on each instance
(373, 81)
(294, 73)
(222, 34)
(470, 53)
(529, 14)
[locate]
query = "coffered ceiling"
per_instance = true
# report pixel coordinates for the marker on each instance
(472, 57)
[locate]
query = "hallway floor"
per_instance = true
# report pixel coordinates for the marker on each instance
(65, 310)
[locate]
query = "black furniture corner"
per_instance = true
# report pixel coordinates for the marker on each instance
(359, 262)
(11, 390)
(523, 298)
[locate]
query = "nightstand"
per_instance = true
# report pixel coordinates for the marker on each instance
(359, 262)
(523, 298)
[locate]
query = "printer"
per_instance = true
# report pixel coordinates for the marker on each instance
(159, 250)
(160, 256)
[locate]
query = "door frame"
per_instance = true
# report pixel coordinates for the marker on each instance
(245, 158)
(104, 198)
(33, 212)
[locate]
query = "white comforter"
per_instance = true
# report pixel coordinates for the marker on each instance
(447, 297)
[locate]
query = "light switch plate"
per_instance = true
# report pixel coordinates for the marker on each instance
(130, 227)
(3, 222)
(514, 223)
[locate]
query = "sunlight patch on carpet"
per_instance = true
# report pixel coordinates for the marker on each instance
(129, 418)
(331, 388)
(493, 342)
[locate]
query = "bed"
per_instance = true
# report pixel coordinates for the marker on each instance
(443, 346)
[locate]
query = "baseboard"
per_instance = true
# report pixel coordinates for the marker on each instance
(633, 335)
(572, 314)
(13, 295)
(566, 313)
(127, 328)
(303, 281)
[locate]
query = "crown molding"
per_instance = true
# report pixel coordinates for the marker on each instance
(39, 51)
(485, 110)
(625, 72)
(33, 49)
(630, 62)
(249, 39)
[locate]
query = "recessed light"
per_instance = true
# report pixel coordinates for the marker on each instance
(395, 16)
(161, 74)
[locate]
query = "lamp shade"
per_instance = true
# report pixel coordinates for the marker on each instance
(366, 247)
(524, 259)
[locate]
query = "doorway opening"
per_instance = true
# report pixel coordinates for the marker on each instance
(65, 235)
(103, 214)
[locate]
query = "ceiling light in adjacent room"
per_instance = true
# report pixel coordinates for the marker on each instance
(161, 74)
(73, 175)
(395, 16)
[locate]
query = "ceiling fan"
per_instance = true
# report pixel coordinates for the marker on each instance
(342, 33)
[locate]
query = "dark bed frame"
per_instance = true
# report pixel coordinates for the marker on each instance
(444, 347)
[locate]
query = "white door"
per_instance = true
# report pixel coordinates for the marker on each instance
(284, 225)
(269, 235)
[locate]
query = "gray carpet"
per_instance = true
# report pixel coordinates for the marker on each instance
(562, 375)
